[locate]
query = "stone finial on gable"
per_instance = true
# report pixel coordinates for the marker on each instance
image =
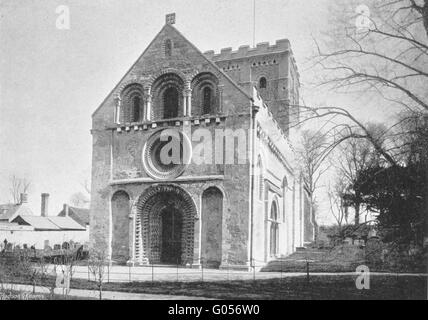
(170, 18)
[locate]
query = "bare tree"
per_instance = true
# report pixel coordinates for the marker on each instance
(383, 51)
(335, 195)
(80, 200)
(385, 58)
(354, 156)
(18, 185)
(311, 154)
(98, 263)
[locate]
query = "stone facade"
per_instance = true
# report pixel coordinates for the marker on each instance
(212, 212)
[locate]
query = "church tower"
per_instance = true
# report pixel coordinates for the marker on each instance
(272, 70)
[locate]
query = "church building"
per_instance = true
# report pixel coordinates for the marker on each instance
(233, 196)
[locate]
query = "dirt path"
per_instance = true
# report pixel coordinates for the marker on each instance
(107, 295)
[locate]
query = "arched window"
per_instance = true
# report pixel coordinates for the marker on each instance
(168, 47)
(136, 104)
(274, 229)
(167, 96)
(262, 83)
(170, 102)
(207, 94)
(132, 103)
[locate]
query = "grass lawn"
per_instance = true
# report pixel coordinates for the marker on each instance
(319, 287)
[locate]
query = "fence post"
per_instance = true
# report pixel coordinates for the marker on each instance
(108, 273)
(153, 273)
(177, 270)
(307, 271)
(202, 269)
(282, 262)
(228, 278)
(89, 278)
(129, 273)
(254, 269)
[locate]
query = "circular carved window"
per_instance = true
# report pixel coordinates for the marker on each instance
(166, 154)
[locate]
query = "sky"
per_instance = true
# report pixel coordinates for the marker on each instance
(51, 80)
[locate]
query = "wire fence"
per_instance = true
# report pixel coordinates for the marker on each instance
(305, 264)
(170, 273)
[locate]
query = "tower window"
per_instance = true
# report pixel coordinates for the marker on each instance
(262, 83)
(207, 100)
(168, 47)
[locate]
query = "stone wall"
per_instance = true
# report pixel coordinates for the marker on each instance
(117, 161)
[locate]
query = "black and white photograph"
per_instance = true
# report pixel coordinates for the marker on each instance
(213, 154)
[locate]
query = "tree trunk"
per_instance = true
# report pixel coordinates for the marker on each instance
(357, 214)
(425, 16)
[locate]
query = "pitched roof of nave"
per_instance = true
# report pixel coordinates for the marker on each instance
(171, 30)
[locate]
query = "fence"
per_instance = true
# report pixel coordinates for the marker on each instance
(176, 273)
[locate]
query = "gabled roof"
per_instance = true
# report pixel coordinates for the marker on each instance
(80, 215)
(49, 223)
(172, 28)
(11, 211)
(66, 223)
(39, 223)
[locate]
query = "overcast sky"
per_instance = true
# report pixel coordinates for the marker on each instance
(52, 80)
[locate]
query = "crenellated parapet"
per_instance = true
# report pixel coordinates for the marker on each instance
(245, 51)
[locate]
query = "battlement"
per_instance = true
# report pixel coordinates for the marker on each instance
(282, 45)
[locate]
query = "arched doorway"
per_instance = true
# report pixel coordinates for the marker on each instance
(165, 226)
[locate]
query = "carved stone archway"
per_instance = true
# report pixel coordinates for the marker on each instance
(148, 227)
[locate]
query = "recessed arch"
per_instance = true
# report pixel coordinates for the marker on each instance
(156, 202)
(120, 211)
(205, 94)
(167, 91)
(274, 228)
(212, 224)
(132, 103)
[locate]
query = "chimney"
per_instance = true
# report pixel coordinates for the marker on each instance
(66, 209)
(24, 198)
(45, 204)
